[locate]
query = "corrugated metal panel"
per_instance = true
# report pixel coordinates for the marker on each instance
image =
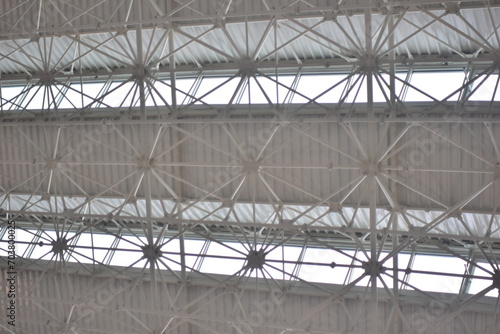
(80, 304)
(299, 164)
(118, 52)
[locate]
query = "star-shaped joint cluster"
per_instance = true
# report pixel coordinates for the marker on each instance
(255, 259)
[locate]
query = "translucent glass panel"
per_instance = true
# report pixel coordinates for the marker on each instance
(431, 280)
(282, 263)
(256, 89)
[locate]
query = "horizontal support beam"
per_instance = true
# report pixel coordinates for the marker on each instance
(412, 113)
(300, 289)
(290, 229)
(284, 67)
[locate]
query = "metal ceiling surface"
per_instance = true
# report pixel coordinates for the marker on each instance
(257, 311)
(319, 39)
(297, 163)
(174, 166)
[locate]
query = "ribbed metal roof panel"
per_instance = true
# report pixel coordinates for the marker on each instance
(118, 305)
(463, 33)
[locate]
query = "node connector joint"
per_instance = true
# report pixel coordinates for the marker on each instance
(368, 63)
(496, 280)
(59, 246)
(373, 268)
(256, 259)
(151, 252)
(452, 8)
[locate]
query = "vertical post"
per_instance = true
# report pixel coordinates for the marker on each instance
(395, 238)
(140, 82)
(178, 186)
(369, 69)
(144, 133)
(140, 65)
(171, 65)
(175, 137)
(392, 68)
(395, 274)
(374, 317)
